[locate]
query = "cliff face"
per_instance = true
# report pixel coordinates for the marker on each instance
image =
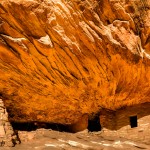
(60, 59)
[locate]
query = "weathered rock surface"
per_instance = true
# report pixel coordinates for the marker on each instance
(53, 140)
(62, 59)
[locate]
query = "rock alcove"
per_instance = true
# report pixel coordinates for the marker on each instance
(62, 62)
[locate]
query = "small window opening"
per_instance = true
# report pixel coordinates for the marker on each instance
(133, 121)
(94, 124)
(108, 22)
(1, 94)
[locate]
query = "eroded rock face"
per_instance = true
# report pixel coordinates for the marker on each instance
(61, 59)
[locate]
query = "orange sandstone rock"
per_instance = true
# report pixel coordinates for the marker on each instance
(62, 59)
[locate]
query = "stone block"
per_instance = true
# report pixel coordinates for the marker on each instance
(2, 131)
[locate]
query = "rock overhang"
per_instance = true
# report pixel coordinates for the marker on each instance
(60, 59)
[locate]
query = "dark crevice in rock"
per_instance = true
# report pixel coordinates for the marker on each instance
(32, 126)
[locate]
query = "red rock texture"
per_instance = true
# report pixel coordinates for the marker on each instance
(62, 59)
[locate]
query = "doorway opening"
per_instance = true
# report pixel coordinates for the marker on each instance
(133, 121)
(94, 124)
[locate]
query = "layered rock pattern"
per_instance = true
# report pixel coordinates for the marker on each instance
(61, 59)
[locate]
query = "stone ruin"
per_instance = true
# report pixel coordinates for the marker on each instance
(118, 123)
(7, 135)
(132, 122)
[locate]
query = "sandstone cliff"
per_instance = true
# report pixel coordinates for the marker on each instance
(60, 59)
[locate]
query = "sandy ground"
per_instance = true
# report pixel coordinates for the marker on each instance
(43, 139)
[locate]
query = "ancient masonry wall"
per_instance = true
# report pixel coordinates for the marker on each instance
(118, 123)
(7, 136)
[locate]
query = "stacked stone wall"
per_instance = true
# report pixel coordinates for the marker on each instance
(7, 136)
(122, 127)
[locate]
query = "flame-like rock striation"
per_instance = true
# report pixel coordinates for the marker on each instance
(61, 59)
